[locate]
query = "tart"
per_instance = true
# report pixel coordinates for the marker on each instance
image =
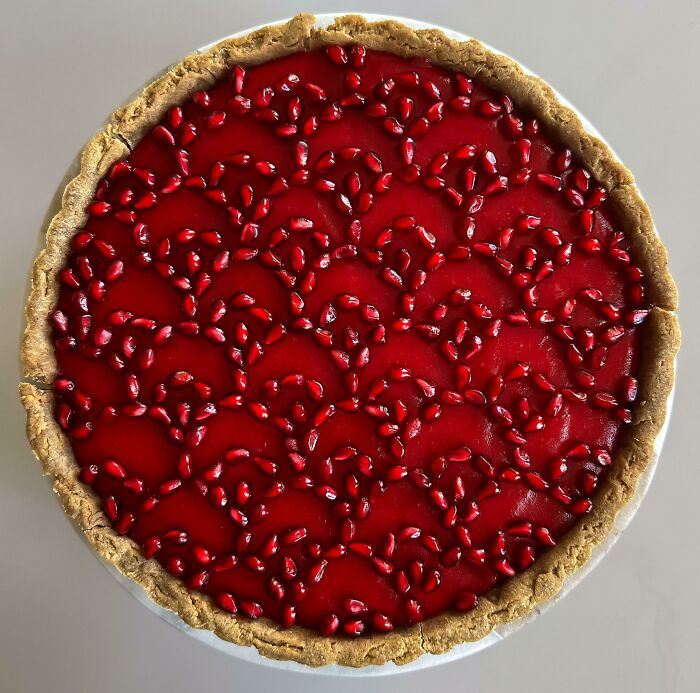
(348, 343)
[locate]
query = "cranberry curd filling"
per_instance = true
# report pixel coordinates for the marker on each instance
(346, 341)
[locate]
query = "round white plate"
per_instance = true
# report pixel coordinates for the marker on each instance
(250, 654)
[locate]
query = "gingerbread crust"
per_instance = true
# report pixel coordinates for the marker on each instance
(519, 595)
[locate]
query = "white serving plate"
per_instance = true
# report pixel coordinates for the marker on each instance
(250, 654)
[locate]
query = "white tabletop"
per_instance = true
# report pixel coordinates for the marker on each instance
(66, 625)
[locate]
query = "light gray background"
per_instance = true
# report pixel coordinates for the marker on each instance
(631, 67)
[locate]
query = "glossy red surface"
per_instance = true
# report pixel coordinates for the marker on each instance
(450, 290)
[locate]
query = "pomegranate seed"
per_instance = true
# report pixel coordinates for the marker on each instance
(114, 469)
(337, 55)
(413, 610)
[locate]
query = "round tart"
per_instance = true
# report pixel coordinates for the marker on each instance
(348, 343)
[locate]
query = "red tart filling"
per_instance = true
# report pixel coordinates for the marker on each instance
(346, 341)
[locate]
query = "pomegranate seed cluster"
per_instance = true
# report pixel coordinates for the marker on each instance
(346, 341)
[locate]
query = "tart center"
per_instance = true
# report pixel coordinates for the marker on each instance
(347, 341)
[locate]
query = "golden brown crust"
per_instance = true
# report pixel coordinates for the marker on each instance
(518, 596)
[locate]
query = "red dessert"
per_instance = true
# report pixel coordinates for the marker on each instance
(347, 341)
